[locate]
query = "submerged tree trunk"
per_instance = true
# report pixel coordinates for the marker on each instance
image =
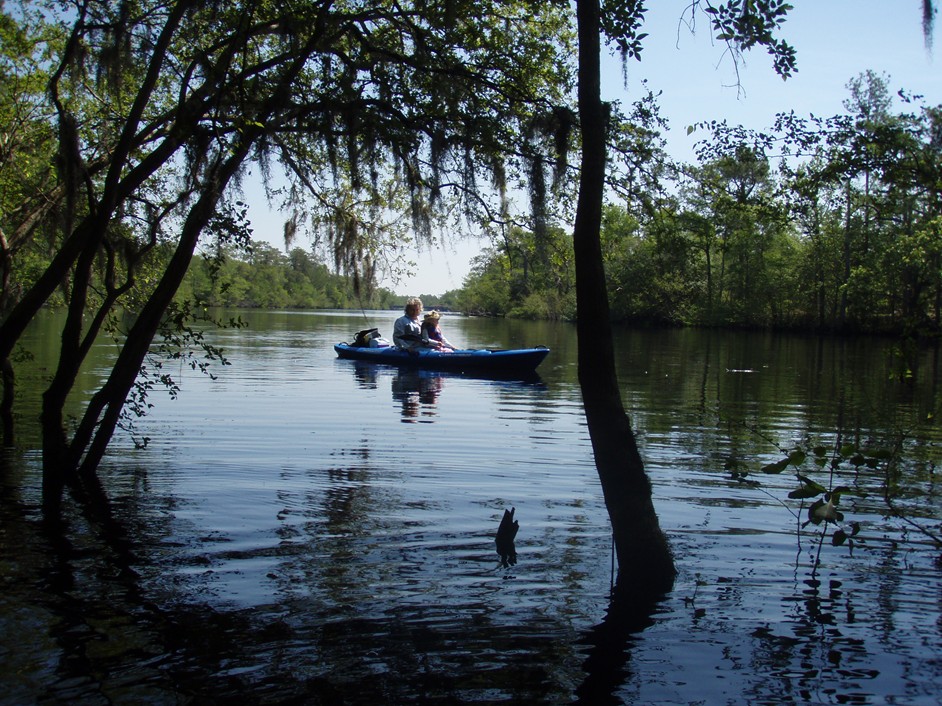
(646, 567)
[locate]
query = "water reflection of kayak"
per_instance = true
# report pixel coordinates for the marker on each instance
(464, 360)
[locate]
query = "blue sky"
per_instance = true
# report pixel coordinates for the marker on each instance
(835, 40)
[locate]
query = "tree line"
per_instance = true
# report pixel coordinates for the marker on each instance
(266, 277)
(818, 223)
(829, 224)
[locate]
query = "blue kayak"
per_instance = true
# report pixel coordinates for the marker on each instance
(483, 360)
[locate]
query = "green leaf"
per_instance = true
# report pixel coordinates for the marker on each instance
(797, 457)
(839, 537)
(807, 481)
(847, 450)
(776, 467)
(803, 493)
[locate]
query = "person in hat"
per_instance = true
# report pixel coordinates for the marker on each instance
(432, 333)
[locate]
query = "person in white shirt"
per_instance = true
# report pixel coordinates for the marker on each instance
(407, 331)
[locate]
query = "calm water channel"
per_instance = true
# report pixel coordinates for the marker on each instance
(309, 530)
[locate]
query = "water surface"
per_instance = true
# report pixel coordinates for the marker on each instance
(303, 529)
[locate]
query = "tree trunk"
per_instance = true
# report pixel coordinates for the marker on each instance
(937, 298)
(842, 313)
(71, 356)
(104, 411)
(646, 568)
(26, 309)
(78, 251)
(709, 279)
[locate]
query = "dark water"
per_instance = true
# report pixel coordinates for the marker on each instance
(308, 530)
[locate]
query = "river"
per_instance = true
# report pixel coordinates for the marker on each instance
(302, 529)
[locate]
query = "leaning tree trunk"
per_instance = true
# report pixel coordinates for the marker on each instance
(103, 414)
(646, 568)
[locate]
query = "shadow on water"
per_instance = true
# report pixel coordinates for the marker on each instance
(367, 373)
(97, 638)
(417, 391)
(100, 632)
(71, 602)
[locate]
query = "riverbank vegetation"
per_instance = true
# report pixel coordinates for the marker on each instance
(820, 223)
(265, 277)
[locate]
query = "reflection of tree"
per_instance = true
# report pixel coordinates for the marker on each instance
(325, 554)
(606, 663)
(73, 586)
(817, 657)
(417, 391)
